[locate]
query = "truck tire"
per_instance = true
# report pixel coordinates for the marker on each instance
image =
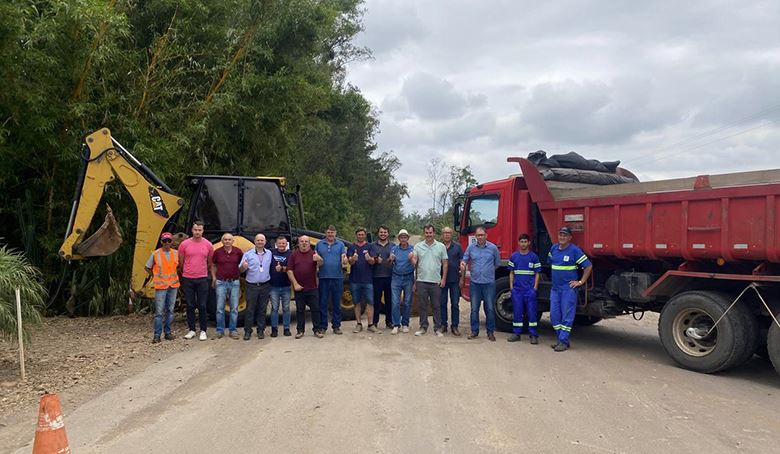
(586, 320)
(773, 346)
(503, 305)
(731, 343)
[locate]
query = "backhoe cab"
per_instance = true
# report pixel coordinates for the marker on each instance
(243, 206)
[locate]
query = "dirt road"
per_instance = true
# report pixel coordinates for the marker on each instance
(615, 391)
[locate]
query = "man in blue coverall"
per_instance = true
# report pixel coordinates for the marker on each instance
(565, 257)
(524, 267)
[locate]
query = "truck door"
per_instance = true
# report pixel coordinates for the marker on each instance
(482, 211)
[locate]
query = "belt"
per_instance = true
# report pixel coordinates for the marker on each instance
(258, 284)
(227, 280)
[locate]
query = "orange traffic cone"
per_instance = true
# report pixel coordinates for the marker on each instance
(50, 434)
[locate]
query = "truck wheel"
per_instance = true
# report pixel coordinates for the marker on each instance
(773, 346)
(687, 334)
(503, 305)
(586, 320)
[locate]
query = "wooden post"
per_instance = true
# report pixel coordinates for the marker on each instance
(19, 325)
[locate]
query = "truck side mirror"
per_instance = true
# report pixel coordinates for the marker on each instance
(291, 198)
(457, 215)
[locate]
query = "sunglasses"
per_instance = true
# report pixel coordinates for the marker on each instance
(167, 240)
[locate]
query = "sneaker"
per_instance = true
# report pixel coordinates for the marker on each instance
(491, 337)
(555, 345)
(438, 333)
(247, 336)
(156, 340)
(337, 331)
(234, 335)
(514, 338)
(561, 348)
(473, 335)
(261, 334)
(274, 333)
(404, 329)
(455, 331)
(534, 340)
(169, 337)
(389, 325)
(420, 332)
(394, 331)
(287, 333)
(374, 329)
(300, 335)
(202, 336)
(318, 334)
(220, 335)
(190, 335)
(358, 328)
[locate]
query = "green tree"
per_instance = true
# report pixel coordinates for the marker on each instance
(17, 273)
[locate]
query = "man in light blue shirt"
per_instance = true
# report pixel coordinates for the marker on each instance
(257, 264)
(483, 259)
(331, 254)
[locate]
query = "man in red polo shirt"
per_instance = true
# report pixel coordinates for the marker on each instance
(225, 279)
(302, 271)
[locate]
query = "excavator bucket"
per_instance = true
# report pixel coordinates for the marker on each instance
(105, 241)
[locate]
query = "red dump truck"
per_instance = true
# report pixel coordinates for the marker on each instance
(704, 252)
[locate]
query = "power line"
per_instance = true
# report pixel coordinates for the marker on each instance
(674, 146)
(686, 150)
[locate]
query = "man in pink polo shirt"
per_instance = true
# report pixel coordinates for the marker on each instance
(194, 262)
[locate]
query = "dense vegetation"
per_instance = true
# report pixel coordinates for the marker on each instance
(252, 87)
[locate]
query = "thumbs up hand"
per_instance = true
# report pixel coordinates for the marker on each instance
(278, 266)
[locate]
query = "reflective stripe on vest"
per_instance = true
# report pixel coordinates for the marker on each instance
(165, 275)
(526, 272)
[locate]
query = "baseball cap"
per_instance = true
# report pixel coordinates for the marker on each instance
(166, 236)
(403, 232)
(565, 230)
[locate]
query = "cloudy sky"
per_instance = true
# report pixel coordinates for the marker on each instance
(670, 88)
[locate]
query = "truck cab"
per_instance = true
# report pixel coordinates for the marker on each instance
(505, 210)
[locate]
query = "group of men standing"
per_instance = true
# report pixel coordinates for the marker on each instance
(379, 271)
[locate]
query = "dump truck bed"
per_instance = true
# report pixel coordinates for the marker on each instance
(734, 217)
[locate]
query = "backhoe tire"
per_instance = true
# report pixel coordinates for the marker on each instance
(729, 344)
(773, 346)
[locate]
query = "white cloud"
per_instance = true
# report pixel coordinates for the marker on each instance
(670, 88)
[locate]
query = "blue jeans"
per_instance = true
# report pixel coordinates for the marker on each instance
(163, 306)
(230, 290)
(483, 293)
(280, 294)
(362, 293)
(453, 290)
(330, 289)
(398, 284)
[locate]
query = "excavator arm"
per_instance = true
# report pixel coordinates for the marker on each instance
(104, 159)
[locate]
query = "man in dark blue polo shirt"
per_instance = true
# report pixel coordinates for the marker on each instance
(280, 286)
(362, 257)
(452, 286)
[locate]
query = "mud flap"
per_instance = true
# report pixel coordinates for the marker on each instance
(105, 241)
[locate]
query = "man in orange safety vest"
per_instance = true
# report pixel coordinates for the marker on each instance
(162, 265)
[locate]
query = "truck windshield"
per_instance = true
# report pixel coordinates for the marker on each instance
(482, 211)
(264, 208)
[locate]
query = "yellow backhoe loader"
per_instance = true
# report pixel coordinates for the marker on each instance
(243, 206)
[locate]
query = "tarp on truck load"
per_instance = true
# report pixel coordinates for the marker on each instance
(573, 168)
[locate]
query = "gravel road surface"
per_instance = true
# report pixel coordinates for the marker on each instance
(614, 391)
